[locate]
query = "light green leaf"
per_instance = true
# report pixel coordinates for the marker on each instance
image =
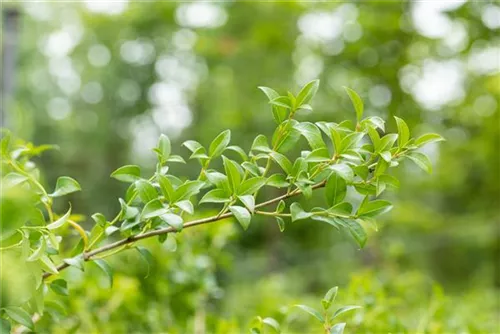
(186, 206)
(270, 93)
(192, 145)
(60, 222)
(344, 171)
(335, 189)
(233, 173)
(164, 148)
(386, 155)
(251, 168)
(374, 208)
(273, 324)
(250, 186)
(282, 161)
(146, 191)
(187, 190)
(307, 92)
(106, 268)
(403, 132)
(48, 265)
(242, 215)
(215, 196)
(344, 310)
(389, 180)
(281, 206)
(421, 160)
(127, 212)
(153, 208)
(356, 229)
(129, 173)
(329, 297)
(338, 328)
(99, 219)
(39, 251)
(277, 181)
(386, 142)
(311, 133)
(219, 180)
(20, 316)
(76, 261)
(356, 102)
(238, 150)
(173, 220)
(350, 141)
(318, 155)
(260, 144)
(298, 213)
(166, 187)
(13, 179)
(312, 312)
(428, 138)
(248, 201)
(219, 143)
(281, 101)
(147, 256)
(281, 223)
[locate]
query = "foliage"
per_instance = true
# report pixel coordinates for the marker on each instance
(352, 165)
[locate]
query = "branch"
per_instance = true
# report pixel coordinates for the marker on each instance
(87, 256)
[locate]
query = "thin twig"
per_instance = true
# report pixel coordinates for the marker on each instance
(87, 256)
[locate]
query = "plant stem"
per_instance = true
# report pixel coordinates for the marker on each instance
(274, 214)
(87, 256)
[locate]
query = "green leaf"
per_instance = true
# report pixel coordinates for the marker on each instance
(106, 268)
(173, 220)
(386, 142)
(374, 208)
(403, 132)
(60, 222)
(386, 155)
(153, 208)
(166, 187)
(248, 201)
(284, 142)
(338, 328)
(147, 256)
(273, 324)
(356, 102)
(281, 206)
(233, 173)
(13, 179)
(99, 219)
(186, 206)
(163, 149)
(251, 168)
(127, 212)
(260, 144)
(187, 190)
(219, 144)
(48, 264)
(281, 101)
(242, 215)
(344, 171)
(39, 252)
(215, 196)
(312, 312)
(336, 140)
(318, 155)
(357, 231)
(307, 92)
(146, 191)
(251, 186)
(277, 181)
(238, 150)
(282, 161)
(270, 93)
(219, 180)
(192, 145)
(281, 223)
(350, 141)
(428, 138)
(335, 189)
(421, 160)
(5, 326)
(76, 261)
(344, 310)
(329, 297)
(298, 213)
(389, 180)
(311, 133)
(129, 173)
(60, 287)
(20, 316)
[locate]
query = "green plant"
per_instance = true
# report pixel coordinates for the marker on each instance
(351, 165)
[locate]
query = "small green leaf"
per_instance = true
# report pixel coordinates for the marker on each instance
(107, 270)
(282, 161)
(386, 142)
(329, 297)
(153, 208)
(428, 138)
(164, 148)
(374, 208)
(192, 145)
(166, 187)
(187, 190)
(270, 93)
(251, 186)
(21, 316)
(344, 171)
(273, 324)
(215, 196)
(312, 312)
(147, 256)
(281, 101)
(127, 212)
(403, 132)
(248, 201)
(233, 173)
(318, 155)
(335, 189)
(60, 222)
(146, 191)
(99, 219)
(389, 180)
(357, 231)
(13, 179)
(356, 102)
(129, 173)
(48, 264)
(338, 328)
(421, 160)
(186, 206)
(173, 220)
(39, 251)
(307, 92)
(277, 181)
(242, 215)
(60, 287)
(350, 141)
(76, 261)
(251, 168)
(281, 206)
(238, 150)
(219, 143)
(281, 223)
(344, 310)
(311, 133)
(298, 213)
(260, 144)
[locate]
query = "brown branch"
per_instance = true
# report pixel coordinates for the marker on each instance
(87, 256)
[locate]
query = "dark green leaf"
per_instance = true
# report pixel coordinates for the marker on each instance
(357, 231)
(107, 270)
(60, 287)
(335, 189)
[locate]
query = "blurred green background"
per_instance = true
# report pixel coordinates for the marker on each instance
(103, 79)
